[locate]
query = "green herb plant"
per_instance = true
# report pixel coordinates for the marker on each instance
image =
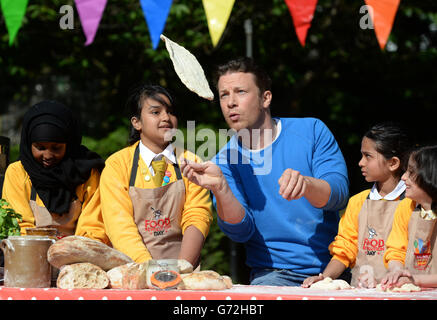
(8, 220)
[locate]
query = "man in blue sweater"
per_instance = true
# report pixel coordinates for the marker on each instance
(277, 184)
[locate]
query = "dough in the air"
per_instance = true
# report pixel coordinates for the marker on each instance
(188, 69)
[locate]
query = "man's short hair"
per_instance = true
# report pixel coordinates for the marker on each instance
(246, 65)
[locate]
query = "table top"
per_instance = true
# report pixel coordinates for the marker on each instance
(237, 292)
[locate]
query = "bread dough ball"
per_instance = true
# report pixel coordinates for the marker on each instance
(329, 284)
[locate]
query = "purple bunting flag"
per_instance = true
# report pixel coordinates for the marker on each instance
(90, 14)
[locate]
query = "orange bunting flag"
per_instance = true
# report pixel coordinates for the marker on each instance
(302, 12)
(383, 14)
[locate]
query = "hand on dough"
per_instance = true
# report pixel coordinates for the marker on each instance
(366, 280)
(310, 280)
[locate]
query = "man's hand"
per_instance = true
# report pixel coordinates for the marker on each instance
(207, 174)
(292, 185)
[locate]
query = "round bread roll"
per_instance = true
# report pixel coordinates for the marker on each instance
(82, 276)
(205, 280)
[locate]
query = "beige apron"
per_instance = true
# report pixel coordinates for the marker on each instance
(65, 223)
(374, 225)
(157, 214)
(421, 244)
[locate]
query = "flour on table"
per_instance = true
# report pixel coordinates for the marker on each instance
(407, 287)
(330, 284)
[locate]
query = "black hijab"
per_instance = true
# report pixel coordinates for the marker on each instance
(56, 186)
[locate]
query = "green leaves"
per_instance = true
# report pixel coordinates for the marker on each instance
(8, 220)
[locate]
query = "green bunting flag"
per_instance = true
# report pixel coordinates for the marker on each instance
(13, 12)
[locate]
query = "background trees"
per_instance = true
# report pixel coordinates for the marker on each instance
(341, 76)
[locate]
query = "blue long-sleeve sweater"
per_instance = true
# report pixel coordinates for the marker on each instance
(279, 233)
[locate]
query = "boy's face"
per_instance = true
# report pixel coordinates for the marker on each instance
(241, 102)
(156, 124)
(48, 154)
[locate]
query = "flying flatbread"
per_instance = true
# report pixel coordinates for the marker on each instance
(188, 69)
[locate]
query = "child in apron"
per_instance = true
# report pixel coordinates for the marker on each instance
(55, 182)
(367, 220)
(411, 245)
(150, 211)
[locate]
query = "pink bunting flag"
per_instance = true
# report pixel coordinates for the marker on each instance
(90, 14)
(383, 14)
(302, 12)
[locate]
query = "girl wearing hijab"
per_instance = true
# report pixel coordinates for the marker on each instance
(55, 181)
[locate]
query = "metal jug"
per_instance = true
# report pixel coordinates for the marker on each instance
(26, 264)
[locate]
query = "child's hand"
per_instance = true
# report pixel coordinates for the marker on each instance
(396, 279)
(310, 280)
(366, 280)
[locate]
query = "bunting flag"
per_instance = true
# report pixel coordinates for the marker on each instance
(383, 14)
(302, 12)
(217, 14)
(13, 12)
(90, 14)
(156, 13)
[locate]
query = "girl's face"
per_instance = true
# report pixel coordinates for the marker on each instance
(413, 191)
(48, 154)
(156, 123)
(374, 166)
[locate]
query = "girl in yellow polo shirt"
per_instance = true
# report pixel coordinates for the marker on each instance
(367, 221)
(149, 209)
(411, 245)
(55, 182)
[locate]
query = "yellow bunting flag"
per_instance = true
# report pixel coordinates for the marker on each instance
(217, 14)
(383, 14)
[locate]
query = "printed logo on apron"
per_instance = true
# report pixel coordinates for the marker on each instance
(422, 254)
(157, 226)
(371, 245)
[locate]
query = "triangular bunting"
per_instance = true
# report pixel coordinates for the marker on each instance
(90, 14)
(156, 13)
(13, 11)
(217, 14)
(302, 12)
(383, 14)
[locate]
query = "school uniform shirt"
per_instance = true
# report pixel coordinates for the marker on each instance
(397, 242)
(117, 206)
(344, 248)
(17, 188)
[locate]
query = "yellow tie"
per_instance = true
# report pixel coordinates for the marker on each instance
(159, 166)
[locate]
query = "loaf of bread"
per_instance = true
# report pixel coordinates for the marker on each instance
(130, 276)
(77, 249)
(205, 280)
(82, 276)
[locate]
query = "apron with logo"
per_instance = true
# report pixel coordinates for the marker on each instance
(374, 225)
(421, 244)
(65, 223)
(157, 214)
